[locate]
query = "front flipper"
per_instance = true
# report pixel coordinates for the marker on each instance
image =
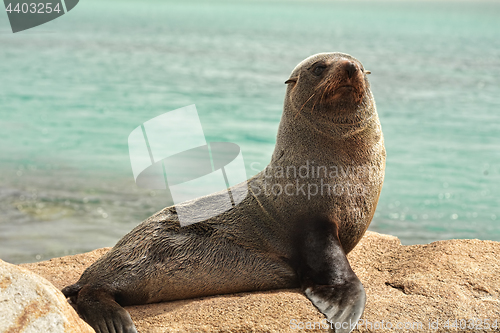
(342, 304)
(100, 310)
(327, 278)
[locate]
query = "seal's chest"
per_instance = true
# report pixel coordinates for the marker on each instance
(346, 180)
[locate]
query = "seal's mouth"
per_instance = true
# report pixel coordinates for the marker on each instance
(351, 92)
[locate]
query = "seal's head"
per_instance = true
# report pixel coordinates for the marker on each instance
(333, 85)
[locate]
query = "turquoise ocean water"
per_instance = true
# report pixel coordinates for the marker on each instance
(72, 90)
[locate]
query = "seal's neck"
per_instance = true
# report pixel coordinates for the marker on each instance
(339, 139)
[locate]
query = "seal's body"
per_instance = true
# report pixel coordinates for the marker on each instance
(302, 215)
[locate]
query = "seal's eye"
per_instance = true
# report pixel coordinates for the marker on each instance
(318, 70)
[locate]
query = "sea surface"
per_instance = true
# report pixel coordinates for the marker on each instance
(72, 90)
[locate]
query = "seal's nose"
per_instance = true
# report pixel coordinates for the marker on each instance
(351, 69)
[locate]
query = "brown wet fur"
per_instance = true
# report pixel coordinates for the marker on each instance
(328, 120)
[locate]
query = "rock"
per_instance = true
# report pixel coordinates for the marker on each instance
(436, 287)
(31, 304)
(434, 284)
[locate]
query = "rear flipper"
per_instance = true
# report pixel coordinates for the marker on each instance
(100, 310)
(327, 278)
(71, 292)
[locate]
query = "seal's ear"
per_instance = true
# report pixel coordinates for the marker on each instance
(292, 80)
(368, 72)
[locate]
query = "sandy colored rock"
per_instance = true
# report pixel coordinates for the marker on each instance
(31, 304)
(407, 286)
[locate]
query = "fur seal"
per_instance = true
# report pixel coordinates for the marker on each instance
(302, 215)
